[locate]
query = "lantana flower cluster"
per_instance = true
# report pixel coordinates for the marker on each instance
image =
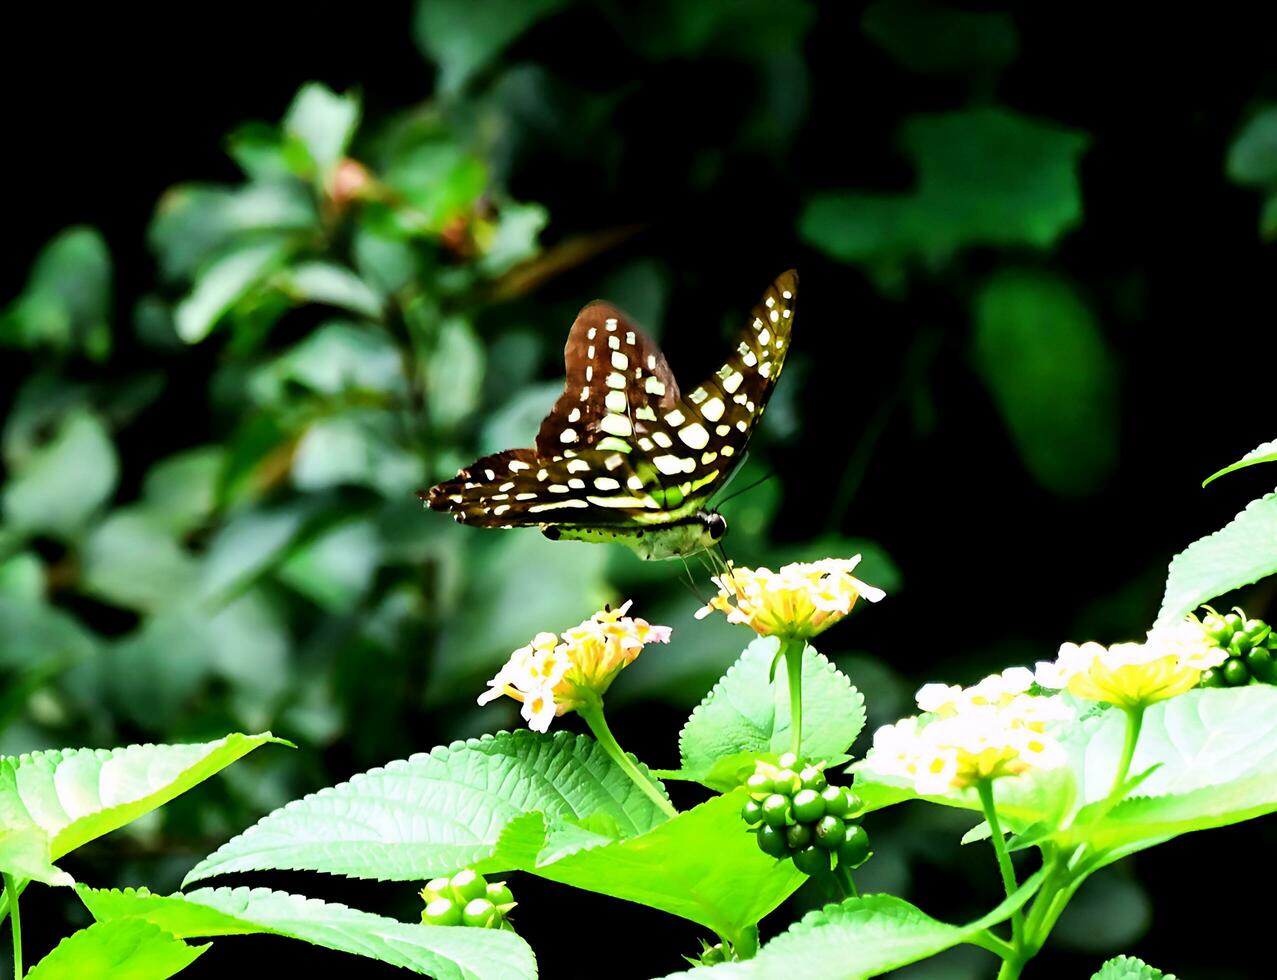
(799, 601)
(992, 729)
(553, 675)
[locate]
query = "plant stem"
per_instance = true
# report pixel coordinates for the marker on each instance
(985, 789)
(792, 651)
(1134, 722)
(15, 923)
(593, 715)
(848, 883)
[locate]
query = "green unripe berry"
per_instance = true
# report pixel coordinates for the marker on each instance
(436, 887)
(1212, 677)
(442, 912)
(479, 913)
(787, 761)
(772, 841)
(830, 832)
(798, 836)
(854, 849)
(1239, 644)
(1270, 640)
(760, 785)
(812, 778)
(854, 803)
(1235, 673)
(1257, 630)
(808, 806)
(1233, 621)
(498, 893)
(813, 860)
(751, 812)
(467, 884)
(834, 800)
(1261, 665)
(776, 810)
(787, 781)
(1218, 630)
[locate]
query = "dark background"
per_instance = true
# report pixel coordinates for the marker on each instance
(105, 109)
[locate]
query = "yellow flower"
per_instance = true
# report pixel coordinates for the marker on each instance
(553, 675)
(799, 601)
(990, 730)
(1133, 675)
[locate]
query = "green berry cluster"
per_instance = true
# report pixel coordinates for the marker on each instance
(1252, 650)
(466, 899)
(797, 814)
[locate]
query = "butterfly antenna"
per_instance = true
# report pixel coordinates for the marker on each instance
(757, 483)
(691, 581)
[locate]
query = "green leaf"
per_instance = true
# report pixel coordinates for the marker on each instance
(1252, 159)
(331, 284)
(1129, 968)
(441, 952)
(58, 486)
(221, 285)
(22, 578)
(67, 301)
(324, 122)
(335, 568)
(1265, 453)
(77, 795)
(701, 865)
(127, 949)
(25, 854)
(932, 39)
(180, 492)
(437, 812)
(361, 448)
(1241, 552)
(514, 239)
(133, 560)
(454, 376)
(863, 937)
(338, 358)
(32, 633)
(747, 715)
(464, 36)
(1052, 377)
(985, 177)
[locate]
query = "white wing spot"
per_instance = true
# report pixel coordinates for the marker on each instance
(765, 369)
(538, 508)
(590, 334)
(713, 409)
(787, 313)
(694, 436)
(489, 475)
(775, 317)
(787, 294)
(764, 337)
(732, 382)
(645, 444)
(654, 387)
(615, 401)
(771, 301)
(698, 396)
(614, 343)
(589, 352)
(500, 496)
(516, 465)
(728, 451)
(674, 418)
(722, 430)
(567, 435)
(630, 338)
(633, 482)
(617, 425)
(645, 413)
(651, 362)
(578, 466)
(707, 458)
(615, 380)
(620, 361)
(606, 483)
(742, 425)
(525, 496)
(750, 360)
(506, 486)
(557, 488)
(501, 510)
(613, 461)
(543, 474)
(670, 465)
(662, 440)
(589, 372)
(585, 393)
(576, 484)
(611, 323)
(574, 415)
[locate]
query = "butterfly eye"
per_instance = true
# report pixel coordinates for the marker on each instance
(717, 525)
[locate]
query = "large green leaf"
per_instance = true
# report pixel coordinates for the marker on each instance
(1129, 968)
(324, 123)
(58, 486)
(439, 811)
(746, 715)
(1052, 377)
(1241, 552)
(133, 560)
(702, 865)
(127, 949)
(985, 177)
(442, 952)
(863, 937)
(338, 358)
(76, 795)
(67, 301)
(24, 853)
(1265, 453)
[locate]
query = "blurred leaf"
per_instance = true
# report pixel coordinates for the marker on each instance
(1241, 552)
(335, 359)
(1129, 968)
(400, 822)
(22, 578)
(66, 304)
(126, 949)
(58, 486)
(454, 374)
(442, 952)
(934, 39)
(77, 795)
(132, 560)
(1252, 159)
(667, 29)
(515, 422)
(1052, 377)
(223, 284)
(1265, 453)
(513, 239)
(324, 122)
(748, 714)
(334, 285)
(985, 177)
(335, 569)
(195, 222)
(32, 633)
(387, 264)
(438, 181)
(180, 492)
(360, 448)
(464, 36)
(1108, 912)
(249, 544)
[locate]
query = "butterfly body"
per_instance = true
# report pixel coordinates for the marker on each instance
(624, 456)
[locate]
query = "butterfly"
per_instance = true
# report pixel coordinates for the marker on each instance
(624, 456)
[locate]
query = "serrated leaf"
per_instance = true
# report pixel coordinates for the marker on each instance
(76, 795)
(127, 949)
(862, 937)
(437, 812)
(439, 951)
(24, 853)
(701, 865)
(1129, 968)
(1241, 552)
(747, 715)
(1265, 453)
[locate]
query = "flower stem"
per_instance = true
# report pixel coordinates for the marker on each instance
(1134, 722)
(15, 923)
(593, 715)
(792, 651)
(848, 883)
(985, 789)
